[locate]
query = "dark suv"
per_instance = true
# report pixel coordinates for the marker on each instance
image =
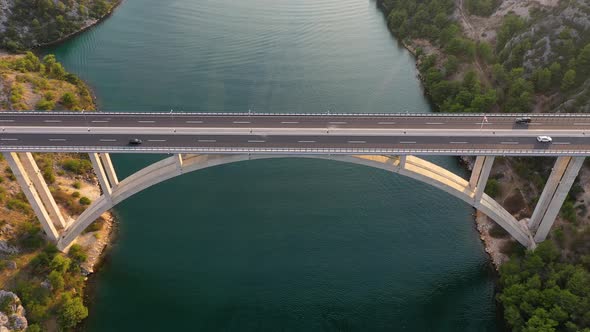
(523, 120)
(135, 141)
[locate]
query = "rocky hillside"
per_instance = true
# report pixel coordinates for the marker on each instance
(28, 23)
(553, 47)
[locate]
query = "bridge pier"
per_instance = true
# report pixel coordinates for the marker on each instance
(103, 168)
(33, 185)
(556, 189)
(179, 162)
(105, 158)
(402, 161)
(479, 176)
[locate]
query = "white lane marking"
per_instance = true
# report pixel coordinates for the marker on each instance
(57, 139)
(52, 121)
(99, 121)
(108, 140)
(146, 121)
(434, 123)
(407, 142)
(485, 123)
(255, 141)
(305, 141)
(357, 142)
(206, 141)
(581, 124)
(192, 121)
(241, 121)
(337, 122)
(458, 142)
(8, 139)
(386, 123)
(6, 120)
(156, 140)
(509, 142)
(561, 143)
(289, 122)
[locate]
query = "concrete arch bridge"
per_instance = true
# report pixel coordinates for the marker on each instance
(385, 141)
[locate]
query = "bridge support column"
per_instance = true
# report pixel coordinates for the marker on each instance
(34, 173)
(25, 177)
(480, 174)
(179, 162)
(101, 174)
(558, 186)
(402, 161)
(105, 158)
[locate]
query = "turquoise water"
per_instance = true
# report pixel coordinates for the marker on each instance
(292, 245)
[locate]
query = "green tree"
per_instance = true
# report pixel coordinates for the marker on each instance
(71, 311)
(485, 52)
(510, 26)
(542, 79)
(555, 69)
(451, 65)
(60, 264)
(569, 80)
(68, 100)
(57, 281)
(584, 61)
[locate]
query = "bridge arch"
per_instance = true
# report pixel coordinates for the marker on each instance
(410, 166)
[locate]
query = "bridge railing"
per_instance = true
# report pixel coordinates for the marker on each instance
(262, 150)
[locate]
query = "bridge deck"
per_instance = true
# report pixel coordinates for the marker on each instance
(426, 134)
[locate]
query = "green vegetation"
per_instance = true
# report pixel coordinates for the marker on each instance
(45, 78)
(544, 291)
(481, 7)
(457, 78)
(530, 67)
(85, 200)
(62, 295)
(33, 22)
(77, 166)
(49, 283)
(492, 188)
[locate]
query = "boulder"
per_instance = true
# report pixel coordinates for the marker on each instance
(14, 319)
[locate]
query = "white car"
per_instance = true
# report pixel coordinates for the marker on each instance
(544, 139)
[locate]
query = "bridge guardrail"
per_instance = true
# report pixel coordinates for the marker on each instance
(476, 115)
(349, 151)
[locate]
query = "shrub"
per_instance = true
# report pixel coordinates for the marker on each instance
(45, 105)
(60, 264)
(30, 236)
(57, 281)
(492, 187)
(18, 205)
(68, 100)
(34, 328)
(71, 311)
(76, 194)
(85, 200)
(78, 166)
(77, 253)
(77, 185)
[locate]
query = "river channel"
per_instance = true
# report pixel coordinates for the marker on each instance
(276, 245)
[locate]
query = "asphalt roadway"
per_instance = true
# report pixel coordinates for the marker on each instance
(426, 134)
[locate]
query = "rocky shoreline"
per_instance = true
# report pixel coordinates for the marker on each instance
(89, 24)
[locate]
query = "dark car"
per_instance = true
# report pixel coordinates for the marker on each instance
(135, 141)
(523, 120)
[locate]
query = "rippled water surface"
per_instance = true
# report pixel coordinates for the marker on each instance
(293, 245)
